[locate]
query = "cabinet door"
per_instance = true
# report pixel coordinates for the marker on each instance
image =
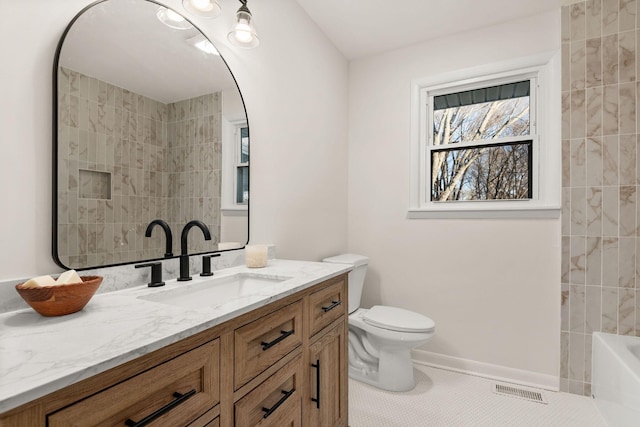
(328, 379)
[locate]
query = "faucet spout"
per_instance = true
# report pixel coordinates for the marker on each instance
(184, 256)
(168, 251)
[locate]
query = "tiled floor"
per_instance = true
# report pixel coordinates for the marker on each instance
(445, 398)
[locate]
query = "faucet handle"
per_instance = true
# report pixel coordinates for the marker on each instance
(206, 265)
(156, 273)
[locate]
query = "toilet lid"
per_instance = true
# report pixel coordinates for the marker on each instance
(397, 319)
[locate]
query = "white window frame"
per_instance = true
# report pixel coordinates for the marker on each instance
(544, 72)
(231, 161)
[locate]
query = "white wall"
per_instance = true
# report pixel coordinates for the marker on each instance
(295, 89)
(491, 286)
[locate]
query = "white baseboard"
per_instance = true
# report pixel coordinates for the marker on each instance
(486, 370)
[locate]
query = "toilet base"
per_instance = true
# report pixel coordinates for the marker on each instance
(393, 370)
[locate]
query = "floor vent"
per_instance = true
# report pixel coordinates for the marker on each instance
(522, 393)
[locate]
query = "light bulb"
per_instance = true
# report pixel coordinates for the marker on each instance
(243, 32)
(203, 8)
(201, 4)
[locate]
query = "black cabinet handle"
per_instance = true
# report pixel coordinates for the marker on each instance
(333, 305)
(317, 398)
(267, 345)
(269, 411)
(179, 398)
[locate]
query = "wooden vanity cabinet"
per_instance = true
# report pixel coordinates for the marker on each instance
(284, 364)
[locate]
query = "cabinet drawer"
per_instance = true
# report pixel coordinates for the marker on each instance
(275, 402)
(187, 385)
(326, 305)
(266, 340)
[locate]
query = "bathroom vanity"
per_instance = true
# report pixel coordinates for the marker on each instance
(275, 356)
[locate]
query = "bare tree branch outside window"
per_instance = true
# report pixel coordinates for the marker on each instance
(486, 171)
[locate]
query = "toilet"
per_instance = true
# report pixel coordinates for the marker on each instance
(381, 337)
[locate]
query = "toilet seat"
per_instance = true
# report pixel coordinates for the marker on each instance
(397, 319)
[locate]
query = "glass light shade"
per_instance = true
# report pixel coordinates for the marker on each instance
(243, 33)
(204, 8)
(172, 19)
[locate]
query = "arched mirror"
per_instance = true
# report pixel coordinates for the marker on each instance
(148, 124)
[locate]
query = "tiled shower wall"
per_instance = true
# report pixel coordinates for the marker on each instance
(125, 164)
(600, 216)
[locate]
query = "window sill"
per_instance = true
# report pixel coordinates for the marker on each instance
(529, 213)
(235, 211)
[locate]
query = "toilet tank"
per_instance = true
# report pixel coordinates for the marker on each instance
(356, 276)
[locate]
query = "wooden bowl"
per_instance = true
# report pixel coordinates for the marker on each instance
(58, 300)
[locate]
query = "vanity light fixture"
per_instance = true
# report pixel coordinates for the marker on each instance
(203, 44)
(172, 19)
(203, 8)
(243, 33)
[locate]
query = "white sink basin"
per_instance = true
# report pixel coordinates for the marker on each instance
(216, 291)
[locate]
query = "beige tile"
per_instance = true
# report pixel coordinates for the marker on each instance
(566, 259)
(578, 21)
(578, 112)
(610, 16)
(627, 108)
(594, 18)
(578, 64)
(638, 312)
(610, 113)
(610, 161)
(627, 211)
(627, 262)
(593, 62)
(565, 302)
(594, 111)
(566, 115)
(576, 356)
(594, 150)
(593, 309)
(626, 311)
(594, 211)
(578, 260)
(564, 355)
(578, 211)
(566, 23)
(627, 56)
(627, 15)
(610, 59)
(566, 211)
(610, 310)
(628, 160)
(587, 364)
(610, 261)
(577, 308)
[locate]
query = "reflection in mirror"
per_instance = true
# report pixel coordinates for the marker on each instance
(148, 126)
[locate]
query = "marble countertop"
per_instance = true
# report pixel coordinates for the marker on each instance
(39, 355)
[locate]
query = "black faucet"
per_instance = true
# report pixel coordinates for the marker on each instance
(184, 257)
(167, 234)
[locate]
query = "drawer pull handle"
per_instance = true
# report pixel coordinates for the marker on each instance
(333, 305)
(268, 345)
(179, 398)
(317, 398)
(269, 411)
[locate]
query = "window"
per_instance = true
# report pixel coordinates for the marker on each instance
(242, 165)
(235, 167)
(481, 144)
